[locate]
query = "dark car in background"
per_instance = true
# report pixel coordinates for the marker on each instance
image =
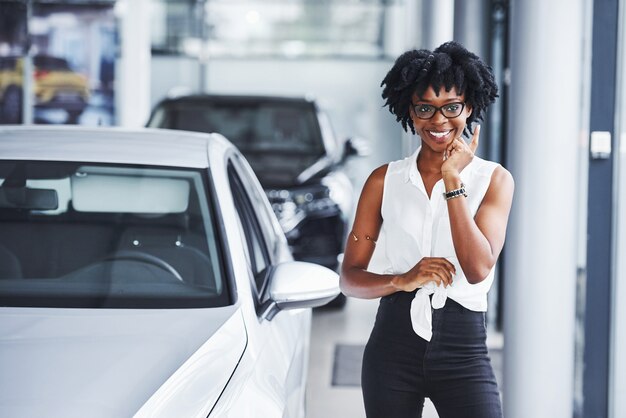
(292, 149)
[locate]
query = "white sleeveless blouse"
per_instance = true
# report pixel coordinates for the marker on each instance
(416, 227)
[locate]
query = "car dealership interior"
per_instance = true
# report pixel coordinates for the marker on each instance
(295, 87)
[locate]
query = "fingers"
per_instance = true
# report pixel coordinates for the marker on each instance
(438, 261)
(457, 145)
(440, 275)
(474, 143)
(438, 270)
(429, 269)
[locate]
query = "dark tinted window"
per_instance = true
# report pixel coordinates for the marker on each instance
(44, 62)
(252, 127)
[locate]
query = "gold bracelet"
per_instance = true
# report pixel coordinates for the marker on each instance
(367, 237)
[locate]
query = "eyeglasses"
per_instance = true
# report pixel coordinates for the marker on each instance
(426, 111)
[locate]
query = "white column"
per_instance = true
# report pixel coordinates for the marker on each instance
(617, 382)
(438, 22)
(28, 81)
(28, 91)
(546, 115)
(400, 28)
(617, 387)
(471, 25)
(132, 73)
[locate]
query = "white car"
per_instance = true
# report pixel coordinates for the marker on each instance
(143, 273)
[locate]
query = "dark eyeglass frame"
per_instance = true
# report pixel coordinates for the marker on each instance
(436, 109)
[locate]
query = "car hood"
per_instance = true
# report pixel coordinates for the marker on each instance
(111, 363)
(276, 170)
(65, 79)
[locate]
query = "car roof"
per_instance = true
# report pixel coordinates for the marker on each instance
(233, 98)
(143, 146)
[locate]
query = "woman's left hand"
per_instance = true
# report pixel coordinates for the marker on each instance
(459, 154)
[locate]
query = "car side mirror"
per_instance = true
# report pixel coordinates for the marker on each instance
(297, 284)
(355, 146)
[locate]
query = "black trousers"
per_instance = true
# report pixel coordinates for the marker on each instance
(400, 368)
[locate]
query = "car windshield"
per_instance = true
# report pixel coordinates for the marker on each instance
(107, 236)
(44, 62)
(252, 126)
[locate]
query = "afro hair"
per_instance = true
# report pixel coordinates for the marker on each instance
(450, 65)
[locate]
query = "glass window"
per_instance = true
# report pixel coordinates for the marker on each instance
(85, 235)
(253, 125)
(287, 28)
(270, 228)
(71, 76)
(258, 256)
(175, 25)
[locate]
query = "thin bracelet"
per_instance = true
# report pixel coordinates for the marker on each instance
(455, 193)
(367, 237)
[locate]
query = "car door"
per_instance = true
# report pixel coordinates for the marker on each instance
(282, 343)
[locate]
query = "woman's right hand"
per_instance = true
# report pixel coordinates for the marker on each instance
(429, 269)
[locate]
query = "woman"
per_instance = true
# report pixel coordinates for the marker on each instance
(444, 212)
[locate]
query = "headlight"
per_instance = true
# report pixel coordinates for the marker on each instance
(292, 206)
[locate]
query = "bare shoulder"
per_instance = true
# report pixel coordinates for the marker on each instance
(374, 186)
(502, 179)
(376, 180)
(378, 175)
(501, 186)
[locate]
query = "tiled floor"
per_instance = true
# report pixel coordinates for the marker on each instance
(350, 325)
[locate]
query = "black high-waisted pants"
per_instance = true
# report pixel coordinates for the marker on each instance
(400, 368)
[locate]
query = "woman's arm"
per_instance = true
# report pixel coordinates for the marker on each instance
(355, 280)
(478, 241)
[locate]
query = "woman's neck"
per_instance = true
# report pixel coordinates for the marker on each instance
(428, 161)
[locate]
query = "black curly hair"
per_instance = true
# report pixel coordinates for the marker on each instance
(450, 65)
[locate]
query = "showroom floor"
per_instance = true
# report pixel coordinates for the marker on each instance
(337, 340)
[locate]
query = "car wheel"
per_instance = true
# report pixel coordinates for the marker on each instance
(12, 106)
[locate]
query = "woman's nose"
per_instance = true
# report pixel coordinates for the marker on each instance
(439, 118)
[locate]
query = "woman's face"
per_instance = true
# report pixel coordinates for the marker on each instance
(439, 131)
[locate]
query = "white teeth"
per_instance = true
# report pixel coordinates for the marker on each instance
(439, 134)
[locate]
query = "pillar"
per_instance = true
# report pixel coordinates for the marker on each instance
(546, 113)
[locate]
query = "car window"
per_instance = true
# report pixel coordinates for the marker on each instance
(112, 236)
(270, 228)
(49, 63)
(257, 251)
(252, 126)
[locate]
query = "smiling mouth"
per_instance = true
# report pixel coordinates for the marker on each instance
(439, 134)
